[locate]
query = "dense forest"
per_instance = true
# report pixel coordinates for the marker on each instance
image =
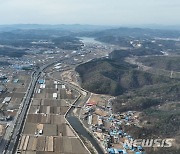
(111, 77)
(164, 62)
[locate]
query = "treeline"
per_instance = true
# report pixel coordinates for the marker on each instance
(11, 52)
(164, 62)
(112, 77)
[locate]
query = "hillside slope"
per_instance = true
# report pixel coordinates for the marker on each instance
(114, 78)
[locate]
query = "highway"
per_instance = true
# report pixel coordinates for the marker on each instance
(13, 142)
(10, 139)
(9, 146)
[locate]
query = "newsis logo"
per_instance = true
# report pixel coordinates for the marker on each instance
(150, 143)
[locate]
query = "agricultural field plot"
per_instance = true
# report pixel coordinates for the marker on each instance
(56, 103)
(17, 95)
(20, 90)
(99, 100)
(62, 129)
(46, 130)
(36, 102)
(52, 109)
(48, 145)
(34, 109)
(2, 130)
(39, 96)
(30, 128)
(14, 103)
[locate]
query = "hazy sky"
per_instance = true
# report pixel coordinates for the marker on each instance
(98, 12)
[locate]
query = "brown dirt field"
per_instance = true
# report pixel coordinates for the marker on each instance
(40, 96)
(51, 102)
(63, 103)
(101, 101)
(40, 126)
(16, 101)
(41, 141)
(50, 130)
(51, 91)
(63, 94)
(101, 112)
(67, 145)
(64, 110)
(32, 118)
(43, 109)
(34, 144)
(58, 144)
(33, 109)
(57, 119)
(55, 110)
(69, 131)
(46, 152)
(38, 118)
(78, 147)
(21, 90)
(30, 144)
(48, 96)
(30, 128)
(50, 110)
(50, 86)
(62, 130)
(30, 152)
(94, 120)
(36, 102)
(18, 95)
(49, 144)
(45, 119)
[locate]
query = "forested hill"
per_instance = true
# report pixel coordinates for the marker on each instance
(106, 76)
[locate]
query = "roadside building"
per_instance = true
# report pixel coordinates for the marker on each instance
(42, 86)
(55, 95)
(6, 100)
(16, 81)
(63, 86)
(2, 89)
(41, 81)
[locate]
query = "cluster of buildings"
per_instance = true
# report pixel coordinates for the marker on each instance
(108, 128)
(61, 91)
(136, 44)
(2, 89)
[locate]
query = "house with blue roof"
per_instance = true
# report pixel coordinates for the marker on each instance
(116, 151)
(41, 81)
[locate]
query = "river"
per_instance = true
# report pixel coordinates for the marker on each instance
(78, 127)
(74, 121)
(89, 40)
(76, 124)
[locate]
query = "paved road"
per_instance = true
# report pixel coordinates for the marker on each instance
(8, 146)
(21, 118)
(74, 120)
